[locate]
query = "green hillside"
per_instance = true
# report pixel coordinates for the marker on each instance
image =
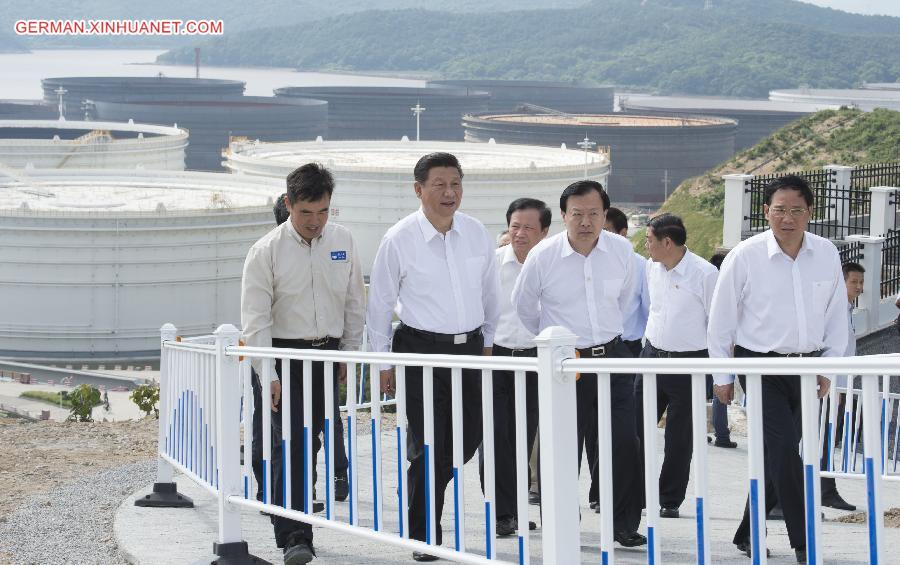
(844, 137)
(738, 48)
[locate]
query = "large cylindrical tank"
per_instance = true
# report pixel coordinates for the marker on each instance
(211, 123)
(27, 110)
(94, 262)
(134, 89)
(374, 179)
(386, 112)
(651, 154)
(58, 144)
(756, 118)
(509, 95)
(866, 100)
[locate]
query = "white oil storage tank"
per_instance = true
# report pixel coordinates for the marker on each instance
(94, 262)
(374, 179)
(61, 144)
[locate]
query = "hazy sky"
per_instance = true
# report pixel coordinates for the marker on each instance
(883, 7)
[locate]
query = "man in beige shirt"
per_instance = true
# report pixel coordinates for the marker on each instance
(302, 288)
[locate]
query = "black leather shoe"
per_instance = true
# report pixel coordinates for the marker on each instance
(506, 526)
(419, 556)
(633, 539)
(531, 525)
(835, 501)
(668, 512)
(534, 498)
(318, 507)
(745, 548)
(726, 443)
(776, 513)
(708, 439)
(800, 552)
(341, 487)
(299, 553)
(593, 504)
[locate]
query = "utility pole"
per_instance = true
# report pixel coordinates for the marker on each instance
(586, 144)
(60, 92)
(417, 110)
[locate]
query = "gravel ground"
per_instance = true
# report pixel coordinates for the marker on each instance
(60, 484)
(73, 523)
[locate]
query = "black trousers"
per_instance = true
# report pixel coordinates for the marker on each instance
(673, 393)
(783, 467)
(289, 531)
(628, 478)
(441, 452)
(505, 430)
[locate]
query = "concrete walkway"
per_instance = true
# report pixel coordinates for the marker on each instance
(164, 536)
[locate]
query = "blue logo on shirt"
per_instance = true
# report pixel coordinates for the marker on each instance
(338, 255)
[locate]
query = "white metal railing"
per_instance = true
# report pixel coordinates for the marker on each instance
(200, 435)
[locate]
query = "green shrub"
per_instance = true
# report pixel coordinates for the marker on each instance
(147, 399)
(83, 400)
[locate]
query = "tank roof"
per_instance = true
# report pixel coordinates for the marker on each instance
(131, 192)
(90, 126)
(402, 155)
(713, 103)
(610, 120)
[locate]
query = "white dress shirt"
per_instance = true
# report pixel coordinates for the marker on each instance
(560, 287)
(635, 323)
(510, 331)
(841, 380)
(766, 301)
(679, 303)
(443, 283)
(297, 290)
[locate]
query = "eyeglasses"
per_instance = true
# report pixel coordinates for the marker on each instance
(779, 212)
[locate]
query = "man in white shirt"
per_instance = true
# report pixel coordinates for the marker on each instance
(854, 278)
(681, 286)
(436, 270)
(302, 288)
(780, 294)
(633, 332)
(528, 221)
(583, 279)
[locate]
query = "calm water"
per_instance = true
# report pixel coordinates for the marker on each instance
(21, 73)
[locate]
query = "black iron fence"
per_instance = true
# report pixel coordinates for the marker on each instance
(837, 211)
(890, 264)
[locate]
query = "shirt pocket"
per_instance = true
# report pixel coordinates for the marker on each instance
(474, 270)
(612, 288)
(821, 293)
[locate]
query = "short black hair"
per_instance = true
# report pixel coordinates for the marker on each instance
(668, 225)
(717, 259)
(851, 267)
(618, 219)
(530, 204)
(280, 210)
(581, 187)
(789, 182)
(432, 160)
(308, 183)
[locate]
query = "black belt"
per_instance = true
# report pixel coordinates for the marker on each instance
(750, 353)
(318, 343)
(656, 352)
(502, 351)
(436, 337)
(600, 350)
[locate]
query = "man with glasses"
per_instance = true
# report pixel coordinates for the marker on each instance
(780, 294)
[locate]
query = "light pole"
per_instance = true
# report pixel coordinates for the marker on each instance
(417, 110)
(60, 92)
(586, 144)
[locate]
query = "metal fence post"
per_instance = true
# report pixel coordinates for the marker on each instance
(870, 300)
(559, 457)
(165, 491)
(737, 209)
(228, 547)
(883, 213)
(839, 198)
(872, 446)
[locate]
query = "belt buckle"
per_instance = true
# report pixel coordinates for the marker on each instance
(319, 342)
(459, 339)
(598, 351)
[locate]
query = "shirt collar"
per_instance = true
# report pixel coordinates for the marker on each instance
(567, 247)
(428, 230)
(774, 249)
(682, 266)
(509, 255)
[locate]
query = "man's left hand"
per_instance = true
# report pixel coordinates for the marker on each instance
(488, 351)
(342, 373)
(824, 386)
